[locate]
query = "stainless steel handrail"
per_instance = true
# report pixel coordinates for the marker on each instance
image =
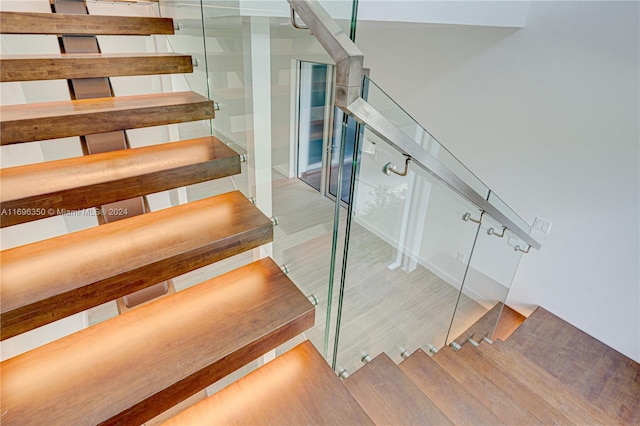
(349, 77)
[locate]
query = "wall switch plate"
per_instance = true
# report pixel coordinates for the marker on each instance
(542, 225)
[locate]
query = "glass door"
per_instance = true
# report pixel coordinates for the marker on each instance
(314, 93)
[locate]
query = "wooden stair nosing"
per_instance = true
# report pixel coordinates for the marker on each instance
(547, 413)
(556, 393)
(51, 120)
(69, 66)
(297, 387)
(503, 405)
(49, 280)
(449, 396)
(93, 180)
(388, 396)
(135, 366)
(72, 24)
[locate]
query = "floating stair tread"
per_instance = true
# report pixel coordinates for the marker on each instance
(460, 406)
(488, 393)
(72, 24)
(50, 120)
(390, 397)
(547, 413)
(133, 367)
(296, 388)
(590, 368)
(51, 279)
(509, 322)
(91, 65)
(94, 180)
(556, 393)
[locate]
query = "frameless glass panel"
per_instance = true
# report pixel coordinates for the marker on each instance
(507, 211)
(491, 270)
(393, 112)
(407, 254)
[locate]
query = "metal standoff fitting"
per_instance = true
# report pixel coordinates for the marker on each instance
(285, 268)
(486, 339)
(456, 347)
(518, 248)
(432, 349)
(252, 200)
(389, 168)
(467, 217)
(243, 158)
(216, 106)
(473, 342)
(404, 353)
(274, 220)
(343, 373)
(194, 62)
(176, 26)
(313, 299)
(365, 359)
(492, 231)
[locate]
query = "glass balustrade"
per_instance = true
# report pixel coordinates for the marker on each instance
(396, 262)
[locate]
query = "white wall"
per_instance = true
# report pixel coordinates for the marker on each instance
(547, 116)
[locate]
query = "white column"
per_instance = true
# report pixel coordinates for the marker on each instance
(258, 84)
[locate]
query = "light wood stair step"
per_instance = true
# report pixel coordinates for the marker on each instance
(390, 397)
(49, 280)
(50, 120)
(72, 24)
(94, 180)
(595, 371)
(133, 367)
(456, 402)
(90, 65)
(488, 393)
(547, 413)
(553, 391)
(296, 388)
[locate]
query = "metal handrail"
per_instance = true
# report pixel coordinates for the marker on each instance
(349, 80)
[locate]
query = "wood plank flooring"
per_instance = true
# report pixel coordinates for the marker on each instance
(603, 376)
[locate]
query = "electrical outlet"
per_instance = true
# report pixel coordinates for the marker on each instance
(542, 225)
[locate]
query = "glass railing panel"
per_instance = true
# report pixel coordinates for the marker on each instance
(487, 282)
(394, 113)
(508, 211)
(407, 254)
(253, 59)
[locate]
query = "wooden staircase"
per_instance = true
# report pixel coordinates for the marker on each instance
(485, 385)
(163, 353)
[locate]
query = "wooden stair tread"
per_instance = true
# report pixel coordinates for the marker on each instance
(90, 65)
(556, 393)
(547, 413)
(50, 120)
(72, 24)
(48, 280)
(509, 322)
(593, 370)
(94, 180)
(135, 366)
(488, 393)
(449, 396)
(390, 397)
(296, 388)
